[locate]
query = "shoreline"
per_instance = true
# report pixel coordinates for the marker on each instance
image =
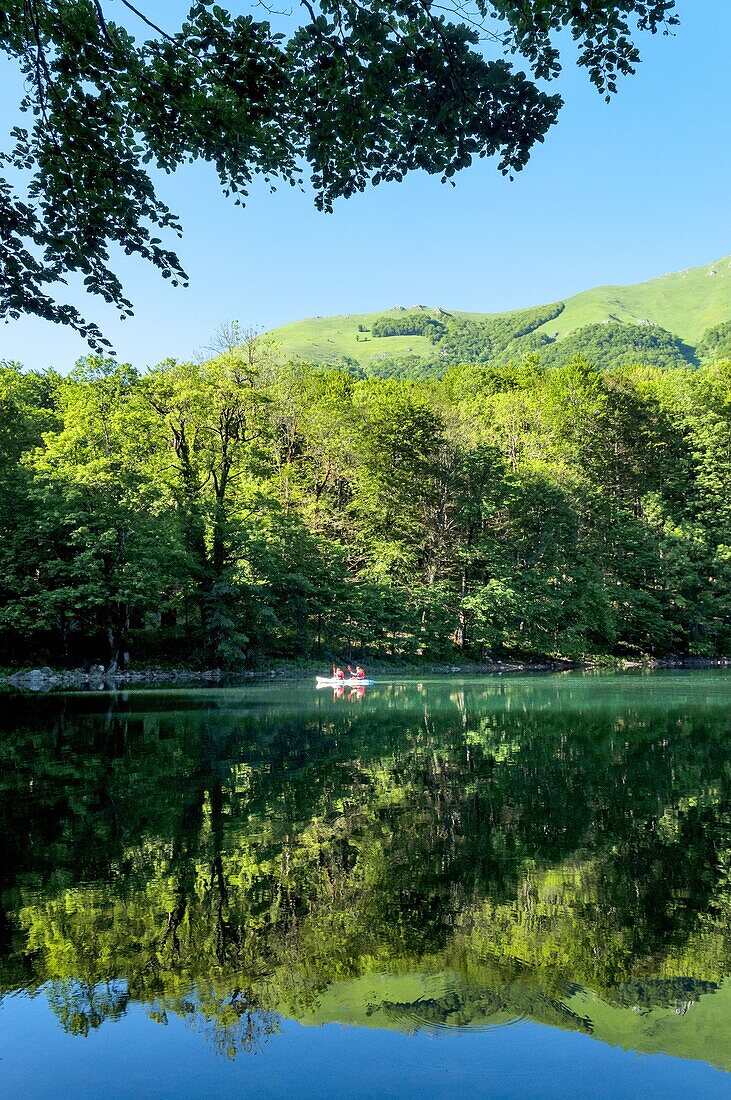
(99, 678)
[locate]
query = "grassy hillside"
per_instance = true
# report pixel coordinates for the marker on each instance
(685, 303)
(325, 338)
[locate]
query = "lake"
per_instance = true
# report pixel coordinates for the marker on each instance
(509, 886)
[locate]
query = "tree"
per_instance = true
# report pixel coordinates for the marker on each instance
(362, 91)
(211, 414)
(716, 342)
(27, 411)
(104, 546)
(235, 510)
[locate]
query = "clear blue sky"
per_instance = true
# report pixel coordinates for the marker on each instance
(619, 193)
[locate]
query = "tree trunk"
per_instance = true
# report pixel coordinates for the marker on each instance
(117, 633)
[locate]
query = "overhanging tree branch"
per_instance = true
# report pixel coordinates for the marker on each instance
(363, 92)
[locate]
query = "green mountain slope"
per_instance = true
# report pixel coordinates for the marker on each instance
(321, 339)
(686, 303)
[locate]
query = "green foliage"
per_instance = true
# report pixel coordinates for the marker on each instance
(243, 509)
(103, 549)
(404, 367)
(406, 324)
(467, 341)
(614, 344)
(28, 409)
(716, 342)
(355, 96)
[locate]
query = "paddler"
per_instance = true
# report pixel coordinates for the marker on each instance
(359, 673)
(338, 673)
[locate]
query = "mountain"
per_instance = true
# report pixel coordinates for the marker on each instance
(686, 304)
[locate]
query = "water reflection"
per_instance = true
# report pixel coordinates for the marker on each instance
(439, 856)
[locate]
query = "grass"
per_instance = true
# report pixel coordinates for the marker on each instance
(321, 339)
(686, 303)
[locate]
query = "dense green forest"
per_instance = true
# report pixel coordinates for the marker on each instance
(614, 344)
(716, 342)
(465, 341)
(406, 324)
(220, 513)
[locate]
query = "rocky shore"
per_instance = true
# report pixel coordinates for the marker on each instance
(96, 677)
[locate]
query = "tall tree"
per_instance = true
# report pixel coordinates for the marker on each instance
(106, 548)
(212, 415)
(27, 411)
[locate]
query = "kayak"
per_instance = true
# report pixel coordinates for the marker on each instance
(333, 682)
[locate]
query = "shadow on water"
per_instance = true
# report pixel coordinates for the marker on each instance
(453, 854)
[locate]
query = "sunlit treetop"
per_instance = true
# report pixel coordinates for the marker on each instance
(356, 93)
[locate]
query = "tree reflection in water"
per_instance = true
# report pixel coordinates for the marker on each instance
(492, 850)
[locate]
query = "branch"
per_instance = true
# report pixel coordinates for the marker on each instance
(168, 37)
(150, 24)
(460, 10)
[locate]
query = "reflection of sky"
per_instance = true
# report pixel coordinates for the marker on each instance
(140, 1057)
(618, 194)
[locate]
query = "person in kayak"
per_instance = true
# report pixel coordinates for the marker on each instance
(358, 674)
(338, 673)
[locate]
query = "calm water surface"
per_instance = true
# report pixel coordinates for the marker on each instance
(503, 887)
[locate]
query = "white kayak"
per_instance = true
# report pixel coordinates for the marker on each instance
(334, 682)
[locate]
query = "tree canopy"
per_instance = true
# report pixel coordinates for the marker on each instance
(356, 93)
(239, 510)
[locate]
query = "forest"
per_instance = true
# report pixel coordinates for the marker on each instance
(236, 510)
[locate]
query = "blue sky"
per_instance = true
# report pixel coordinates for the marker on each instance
(619, 193)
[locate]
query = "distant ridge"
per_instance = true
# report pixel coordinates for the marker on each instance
(686, 303)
